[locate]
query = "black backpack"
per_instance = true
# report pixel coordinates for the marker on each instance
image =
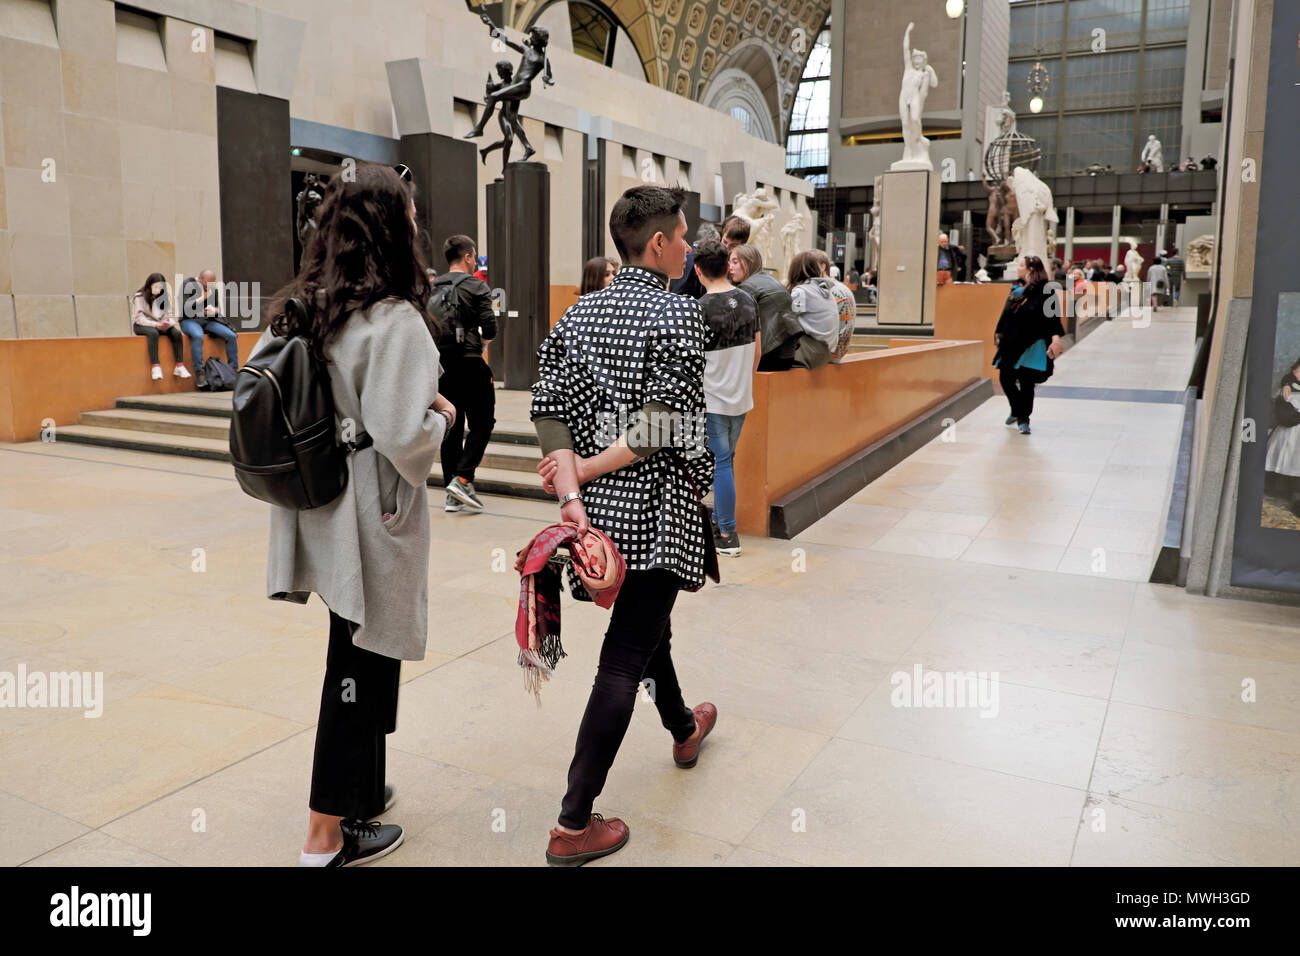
(218, 376)
(445, 306)
(282, 437)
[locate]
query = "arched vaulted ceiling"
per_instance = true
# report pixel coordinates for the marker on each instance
(684, 44)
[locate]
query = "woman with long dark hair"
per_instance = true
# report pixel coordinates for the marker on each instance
(1028, 339)
(366, 554)
(597, 273)
(151, 316)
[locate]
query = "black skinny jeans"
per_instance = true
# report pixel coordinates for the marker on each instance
(1018, 383)
(467, 384)
(636, 648)
(151, 338)
(347, 774)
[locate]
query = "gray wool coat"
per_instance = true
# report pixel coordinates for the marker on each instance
(384, 373)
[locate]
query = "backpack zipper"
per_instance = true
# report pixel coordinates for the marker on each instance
(279, 394)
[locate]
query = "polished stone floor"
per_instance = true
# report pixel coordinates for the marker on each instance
(1120, 736)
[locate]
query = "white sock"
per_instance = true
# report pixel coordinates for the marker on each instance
(316, 859)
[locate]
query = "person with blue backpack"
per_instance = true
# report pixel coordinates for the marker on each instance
(337, 420)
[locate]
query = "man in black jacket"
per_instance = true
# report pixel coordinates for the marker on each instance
(201, 315)
(463, 305)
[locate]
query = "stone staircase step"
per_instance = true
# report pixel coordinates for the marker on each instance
(518, 478)
(169, 423)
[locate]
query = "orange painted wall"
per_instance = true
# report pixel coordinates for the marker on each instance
(562, 296)
(805, 422)
(61, 378)
(970, 312)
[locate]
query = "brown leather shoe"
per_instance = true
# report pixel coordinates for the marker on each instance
(687, 753)
(601, 838)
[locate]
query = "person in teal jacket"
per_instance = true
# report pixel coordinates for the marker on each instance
(1028, 339)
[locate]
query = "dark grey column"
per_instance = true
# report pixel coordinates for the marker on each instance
(256, 202)
(445, 185)
(497, 254)
(528, 270)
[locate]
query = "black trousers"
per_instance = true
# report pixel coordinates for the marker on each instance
(1018, 383)
(151, 340)
(467, 384)
(636, 648)
(358, 707)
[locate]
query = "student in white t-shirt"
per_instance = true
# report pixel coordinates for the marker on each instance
(731, 353)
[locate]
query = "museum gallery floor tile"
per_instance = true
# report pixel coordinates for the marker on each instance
(973, 556)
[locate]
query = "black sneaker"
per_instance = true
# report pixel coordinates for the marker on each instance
(366, 842)
(463, 491)
(728, 544)
(453, 504)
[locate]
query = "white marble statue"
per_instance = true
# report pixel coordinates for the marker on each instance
(998, 120)
(1200, 254)
(792, 238)
(1037, 216)
(874, 232)
(918, 79)
(759, 208)
(1153, 153)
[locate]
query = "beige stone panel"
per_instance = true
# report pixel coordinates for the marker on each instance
(144, 257)
(99, 315)
(148, 211)
(94, 206)
(1248, 217)
(194, 257)
(87, 28)
(4, 216)
(146, 155)
(144, 97)
(42, 265)
(98, 266)
(32, 135)
(93, 147)
(44, 316)
(194, 106)
(29, 74)
(8, 327)
(194, 161)
(89, 85)
(6, 280)
(183, 59)
(36, 207)
(198, 215)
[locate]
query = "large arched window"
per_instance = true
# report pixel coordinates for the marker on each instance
(807, 146)
(589, 29)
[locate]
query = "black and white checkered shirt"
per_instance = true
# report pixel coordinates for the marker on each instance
(615, 350)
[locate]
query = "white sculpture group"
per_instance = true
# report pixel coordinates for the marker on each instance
(759, 209)
(1034, 230)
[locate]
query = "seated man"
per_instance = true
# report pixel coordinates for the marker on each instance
(200, 315)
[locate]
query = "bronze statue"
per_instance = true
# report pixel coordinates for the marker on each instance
(508, 119)
(512, 91)
(1003, 211)
(309, 200)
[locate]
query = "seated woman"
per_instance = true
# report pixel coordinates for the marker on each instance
(812, 298)
(151, 315)
(780, 328)
(848, 311)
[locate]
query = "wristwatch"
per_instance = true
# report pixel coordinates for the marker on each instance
(571, 496)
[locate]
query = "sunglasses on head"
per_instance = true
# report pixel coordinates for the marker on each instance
(404, 171)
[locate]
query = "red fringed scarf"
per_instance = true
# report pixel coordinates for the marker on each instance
(599, 567)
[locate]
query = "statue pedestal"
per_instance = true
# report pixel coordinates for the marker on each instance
(522, 227)
(909, 247)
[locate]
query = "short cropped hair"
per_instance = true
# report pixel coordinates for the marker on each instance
(457, 247)
(641, 212)
(712, 258)
(736, 228)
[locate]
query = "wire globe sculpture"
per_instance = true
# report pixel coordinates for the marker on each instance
(1007, 152)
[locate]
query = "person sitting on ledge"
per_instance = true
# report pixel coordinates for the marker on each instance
(200, 315)
(812, 298)
(781, 331)
(151, 315)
